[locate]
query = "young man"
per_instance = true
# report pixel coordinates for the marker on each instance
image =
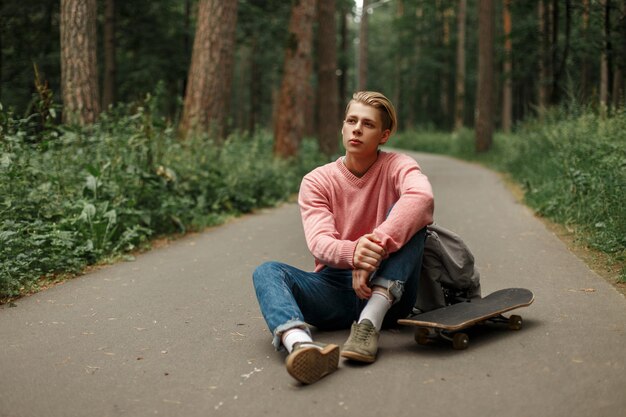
(364, 219)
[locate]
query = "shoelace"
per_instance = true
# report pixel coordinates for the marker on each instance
(363, 332)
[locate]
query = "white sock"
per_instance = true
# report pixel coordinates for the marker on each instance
(293, 336)
(376, 308)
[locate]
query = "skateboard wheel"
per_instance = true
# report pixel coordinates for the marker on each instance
(421, 336)
(515, 322)
(460, 341)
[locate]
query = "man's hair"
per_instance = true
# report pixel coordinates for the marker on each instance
(380, 102)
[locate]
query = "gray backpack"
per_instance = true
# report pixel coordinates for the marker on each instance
(448, 274)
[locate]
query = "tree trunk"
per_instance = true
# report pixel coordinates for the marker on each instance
(605, 58)
(290, 123)
(544, 53)
(343, 63)
(207, 99)
(459, 107)
(559, 64)
(327, 103)
(417, 102)
(507, 90)
(484, 93)
(255, 87)
(618, 88)
(108, 89)
(79, 70)
(619, 96)
(186, 40)
(554, 49)
(444, 94)
(585, 64)
(398, 57)
(1, 60)
(604, 82)
(363, 46)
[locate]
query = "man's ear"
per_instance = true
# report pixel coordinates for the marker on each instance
(385, 137)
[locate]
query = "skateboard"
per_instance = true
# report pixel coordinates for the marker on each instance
(446, 322)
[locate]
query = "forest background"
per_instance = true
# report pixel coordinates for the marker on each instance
(124, 121)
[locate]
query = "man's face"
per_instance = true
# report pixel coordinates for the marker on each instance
(362, 130)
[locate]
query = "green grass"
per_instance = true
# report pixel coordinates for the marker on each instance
(75, 197)
(571, 166)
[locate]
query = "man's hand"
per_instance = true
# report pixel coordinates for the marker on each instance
(368, 253)
(360, 283)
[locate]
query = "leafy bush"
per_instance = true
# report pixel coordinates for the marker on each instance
(71, 197)
(571, 163)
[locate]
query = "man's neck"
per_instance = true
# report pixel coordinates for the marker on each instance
(359, 165)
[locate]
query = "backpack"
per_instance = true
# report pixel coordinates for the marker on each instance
(448, 275)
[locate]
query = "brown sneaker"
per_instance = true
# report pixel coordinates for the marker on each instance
(362, 345)
(309, 362)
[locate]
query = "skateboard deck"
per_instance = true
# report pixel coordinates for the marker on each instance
(444, 323)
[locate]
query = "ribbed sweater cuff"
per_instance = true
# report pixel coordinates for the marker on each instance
(347, 253)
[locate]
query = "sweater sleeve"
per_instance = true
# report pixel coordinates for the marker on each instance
(413, 210)
(320, 230)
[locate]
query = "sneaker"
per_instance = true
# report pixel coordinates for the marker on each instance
(309, 362)
(362, 345)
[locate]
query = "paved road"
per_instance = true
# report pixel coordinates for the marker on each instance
(178, 331)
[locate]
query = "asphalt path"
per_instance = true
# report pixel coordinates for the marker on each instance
(178, 331)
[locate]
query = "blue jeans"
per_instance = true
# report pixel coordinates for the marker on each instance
(290, 297)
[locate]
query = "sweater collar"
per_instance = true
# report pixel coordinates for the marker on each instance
(359, 182)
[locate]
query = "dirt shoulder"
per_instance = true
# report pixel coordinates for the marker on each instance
(597, 261)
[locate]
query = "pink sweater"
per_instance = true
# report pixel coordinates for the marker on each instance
(338, 207)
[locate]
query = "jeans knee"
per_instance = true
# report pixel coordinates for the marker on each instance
(262, 271)
(265, 271)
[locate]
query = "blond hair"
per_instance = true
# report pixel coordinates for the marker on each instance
(380, 102)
